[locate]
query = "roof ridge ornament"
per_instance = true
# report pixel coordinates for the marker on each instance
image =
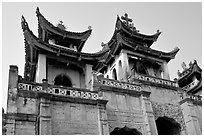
(128, 22)
(24, 24)
(61, 25)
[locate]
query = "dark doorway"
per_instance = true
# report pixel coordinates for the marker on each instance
(62, 80)
(167, 126)
(125, 131)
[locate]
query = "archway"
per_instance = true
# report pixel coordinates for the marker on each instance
(125, 131)
(62, 80)
(167, 126)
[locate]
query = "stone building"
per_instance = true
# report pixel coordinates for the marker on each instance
(123, 89)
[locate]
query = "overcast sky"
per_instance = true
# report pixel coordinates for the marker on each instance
(180, 24)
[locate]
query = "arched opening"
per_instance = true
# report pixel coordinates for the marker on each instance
(114, 74)
(167, 126)
(62, 80)
(125, 131)
(120, 72)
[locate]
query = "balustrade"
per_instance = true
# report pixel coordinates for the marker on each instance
(153, 80)
(56, 90)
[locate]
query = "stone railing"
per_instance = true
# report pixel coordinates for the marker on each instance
(191, 85)
(57, 90)
(118, 84)
(153, 80)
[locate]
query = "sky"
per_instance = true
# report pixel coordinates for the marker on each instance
(179, 22)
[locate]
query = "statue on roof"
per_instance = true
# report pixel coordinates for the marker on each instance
(190, 64)
(89, 27)
(178, 73)
(61, 25)
(183, 65)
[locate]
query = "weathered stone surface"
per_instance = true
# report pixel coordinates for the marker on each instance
(25, 128)
(70, 118)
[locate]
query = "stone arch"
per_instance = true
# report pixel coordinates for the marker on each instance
(63, 80)
(114, 74)
(125, 131)
(167, 126)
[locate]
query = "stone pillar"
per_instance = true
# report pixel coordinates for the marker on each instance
(149, 120)
(45, 117)
(125, 65)
(41, 68)
(165, 71)
(191, 118)
(88, 75)
(103, 121)
(12, 89)
(12, 98)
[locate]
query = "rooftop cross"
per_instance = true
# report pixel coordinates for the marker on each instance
(126, 19)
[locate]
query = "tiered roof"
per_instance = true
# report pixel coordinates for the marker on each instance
(193, 71)
(79, 38)
(126, 36)
(35, 45)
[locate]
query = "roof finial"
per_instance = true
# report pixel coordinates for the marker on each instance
(126, 19)
(89, 28)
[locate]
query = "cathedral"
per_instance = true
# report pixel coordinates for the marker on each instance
(123, 89)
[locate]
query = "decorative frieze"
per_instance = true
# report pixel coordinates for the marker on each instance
(60, 91)
(155, 80)
(117, 84)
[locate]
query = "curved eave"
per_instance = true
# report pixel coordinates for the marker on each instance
(46, 25)
(167, 56)
(187, 73)
(32, 40)
(196, 88)
(149, 39)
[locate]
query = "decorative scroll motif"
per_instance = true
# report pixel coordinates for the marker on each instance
(60, 91)
(191, 85)
(155, 80)
(116, 84)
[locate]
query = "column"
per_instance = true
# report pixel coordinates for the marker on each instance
(12, 98)
(125, 65)
(41, 68)
(191, 118)
(103, 120)
(165, 71)
(88, 75)
(149, 120)
(45, 117)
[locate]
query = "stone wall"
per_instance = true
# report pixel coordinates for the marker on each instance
(123, 109)
(73, 118)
